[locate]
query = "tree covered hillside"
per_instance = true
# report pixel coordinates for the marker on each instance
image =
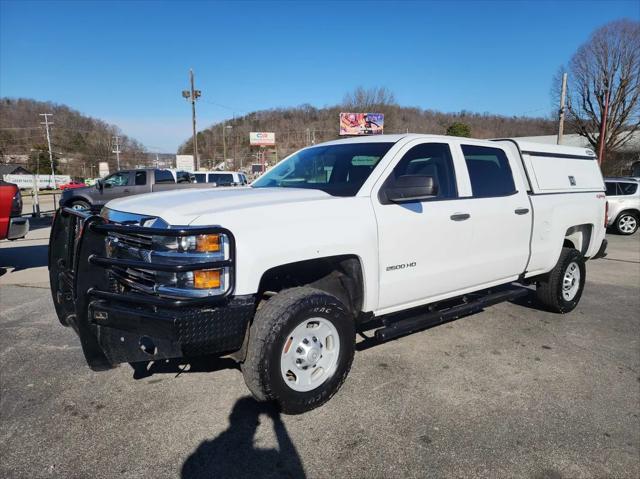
(78, 142)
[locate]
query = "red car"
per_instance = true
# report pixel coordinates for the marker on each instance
(71, 185)
(12, 225)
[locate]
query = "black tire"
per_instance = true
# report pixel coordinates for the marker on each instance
(550, 288)
(271, 327)
(626, 217)
(80, 205)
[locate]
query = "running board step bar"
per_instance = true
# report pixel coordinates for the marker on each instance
(418, 322)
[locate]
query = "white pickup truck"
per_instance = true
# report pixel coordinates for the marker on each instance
(393, 233)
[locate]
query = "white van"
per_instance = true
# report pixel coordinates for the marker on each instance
(221, 178)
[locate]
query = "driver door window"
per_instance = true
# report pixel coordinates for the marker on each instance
(429, 159)
(117, 179)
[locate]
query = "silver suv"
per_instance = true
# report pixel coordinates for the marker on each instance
(623, 196)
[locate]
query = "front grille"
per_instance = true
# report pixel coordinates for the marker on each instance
(135, 247)
(135, 240)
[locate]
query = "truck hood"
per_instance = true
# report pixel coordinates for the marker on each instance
(182, 207)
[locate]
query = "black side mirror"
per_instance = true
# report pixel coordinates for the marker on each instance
(411, 188)
(99, 185)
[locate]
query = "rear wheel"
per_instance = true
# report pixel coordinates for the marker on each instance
(561, 289)
(627, 223)
(301, 346)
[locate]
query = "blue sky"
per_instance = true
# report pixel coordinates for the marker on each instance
(126, 62)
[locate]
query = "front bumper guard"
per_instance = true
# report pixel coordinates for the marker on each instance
(116, 326)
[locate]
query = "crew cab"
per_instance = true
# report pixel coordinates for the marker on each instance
(391, 233)
(12, 225)
(126, 183)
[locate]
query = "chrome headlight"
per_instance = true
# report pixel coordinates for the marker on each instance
(203, 248)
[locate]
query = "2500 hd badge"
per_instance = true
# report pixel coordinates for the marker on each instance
(401, 266)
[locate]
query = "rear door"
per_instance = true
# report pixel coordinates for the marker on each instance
(140, 183)
(500, 214)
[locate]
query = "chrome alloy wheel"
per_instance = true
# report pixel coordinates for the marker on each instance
(571, 281)
(310, 354)
(627, 224)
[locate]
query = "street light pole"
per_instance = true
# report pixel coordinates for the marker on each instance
(193, 94)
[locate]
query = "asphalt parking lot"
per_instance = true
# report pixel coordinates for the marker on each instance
(510, 392)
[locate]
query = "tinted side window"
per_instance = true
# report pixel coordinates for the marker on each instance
(163, 176)
(221, 178)
(118, 179)
(429, 159)
(141, 178)
(628, 188)
(201, 177)
(611, 188)
(489, 171)
(183, 177)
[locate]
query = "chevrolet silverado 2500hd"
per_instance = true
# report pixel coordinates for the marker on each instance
(392, 233)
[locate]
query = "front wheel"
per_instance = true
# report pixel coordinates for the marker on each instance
(80, 205)
(627, 223)
(561, 289)
(301, 346)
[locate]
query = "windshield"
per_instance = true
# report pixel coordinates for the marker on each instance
(339, 170)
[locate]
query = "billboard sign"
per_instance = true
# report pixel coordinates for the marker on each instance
(262, 138)
(43, 181)
(185, 163)
(361, 123)
(103, 169)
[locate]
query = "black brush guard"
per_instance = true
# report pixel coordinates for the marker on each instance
(118, 324)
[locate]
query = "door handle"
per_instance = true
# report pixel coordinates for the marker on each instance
(126, 190)
(521, 211)
(460, 216)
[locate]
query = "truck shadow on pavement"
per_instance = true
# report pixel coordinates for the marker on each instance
(233, 453)
(23, 257)
(202, 364)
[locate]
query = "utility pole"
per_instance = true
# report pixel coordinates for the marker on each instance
(193, 95)
(46, 124)
(563, 95)
(603, 128)
(116, 142)
(224, 145)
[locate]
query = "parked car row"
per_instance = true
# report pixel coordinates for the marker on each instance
(134, 182)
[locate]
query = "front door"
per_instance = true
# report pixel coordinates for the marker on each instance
(116, 186)
(423, 245)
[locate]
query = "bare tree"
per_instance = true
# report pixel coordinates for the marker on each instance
(607, 64)
(366, 99)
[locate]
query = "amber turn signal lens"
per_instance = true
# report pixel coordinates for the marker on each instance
(208, 243)
(206, 279)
